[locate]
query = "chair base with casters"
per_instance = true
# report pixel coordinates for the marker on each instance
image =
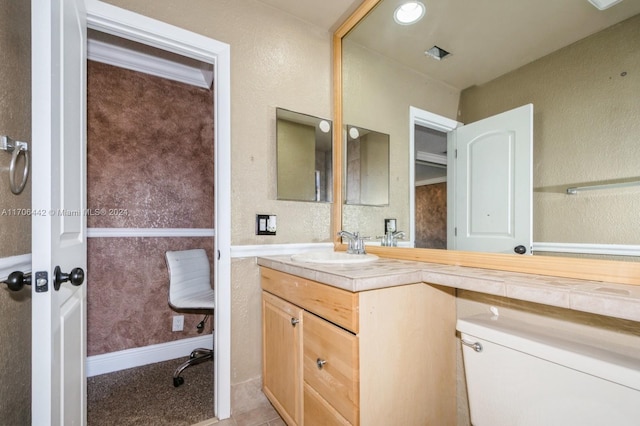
(197, 356)
(190, 290)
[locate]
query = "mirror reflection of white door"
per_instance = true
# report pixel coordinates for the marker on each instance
(58, 202)
(491, 171)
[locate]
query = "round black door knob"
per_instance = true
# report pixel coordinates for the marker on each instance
(520, 249)
(76, 277)
(18, 279)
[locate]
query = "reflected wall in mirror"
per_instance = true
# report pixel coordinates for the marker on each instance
(304, 157)
(367, 174)
(586, 121)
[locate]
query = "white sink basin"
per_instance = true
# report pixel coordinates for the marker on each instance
(333, 257)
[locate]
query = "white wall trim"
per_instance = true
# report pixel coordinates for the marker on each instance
(431, 181)
(149, 232)
(276, 249)
(431, 158)
(601, 249)
(122, 57)
(135, 357)
(9, 264)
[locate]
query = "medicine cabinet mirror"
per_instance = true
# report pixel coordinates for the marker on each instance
(304, 157)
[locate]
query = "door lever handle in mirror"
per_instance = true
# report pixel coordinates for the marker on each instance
(76, 277)
(520, 249)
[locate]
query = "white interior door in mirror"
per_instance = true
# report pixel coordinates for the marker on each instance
(492, 177)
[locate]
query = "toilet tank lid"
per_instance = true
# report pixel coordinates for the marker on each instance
(616, 363)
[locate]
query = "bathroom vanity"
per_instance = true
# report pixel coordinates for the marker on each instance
(378, 356)
(376, 343)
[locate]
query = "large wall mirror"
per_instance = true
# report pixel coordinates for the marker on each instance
(305, 157)
(487, 61)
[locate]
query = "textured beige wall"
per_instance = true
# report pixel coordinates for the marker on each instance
(377, 95)
(586, 127)
(276, 61)
(15, 231)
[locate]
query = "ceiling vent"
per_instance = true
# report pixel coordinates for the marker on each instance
(437, 53)
(604, 4)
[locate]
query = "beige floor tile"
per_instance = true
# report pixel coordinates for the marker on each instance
(257, 417)
(226, 422)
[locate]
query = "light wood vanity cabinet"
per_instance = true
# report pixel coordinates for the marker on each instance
(384, 356)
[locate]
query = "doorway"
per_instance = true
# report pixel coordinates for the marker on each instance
(150, 189)
(430, 188)
(428, 197)
(127, 25)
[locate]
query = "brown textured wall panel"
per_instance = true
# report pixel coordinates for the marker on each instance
(128, 291)
(150, 150)
(150, 165)
(431, 216)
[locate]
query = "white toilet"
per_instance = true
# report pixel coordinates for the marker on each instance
(518, 374)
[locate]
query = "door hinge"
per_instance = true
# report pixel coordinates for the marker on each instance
(218, 254)
(455, 231)
(455, 153)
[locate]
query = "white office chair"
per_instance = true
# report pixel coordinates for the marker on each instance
(190, 290)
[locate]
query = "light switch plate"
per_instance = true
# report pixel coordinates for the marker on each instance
(265, 224)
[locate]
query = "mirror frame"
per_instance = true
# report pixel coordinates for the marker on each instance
(567, 267)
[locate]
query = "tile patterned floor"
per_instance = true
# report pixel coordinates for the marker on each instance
(264, 415)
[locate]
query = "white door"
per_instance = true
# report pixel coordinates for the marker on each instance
(58, 202)
(492, 177)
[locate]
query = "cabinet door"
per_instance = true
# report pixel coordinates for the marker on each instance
(282, 356)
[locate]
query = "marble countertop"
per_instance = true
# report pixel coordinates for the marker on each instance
(611, 299)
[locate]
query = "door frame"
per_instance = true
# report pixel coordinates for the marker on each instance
(433, 121)
(129, 25)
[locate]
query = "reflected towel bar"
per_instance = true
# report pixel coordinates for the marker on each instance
(574, 190)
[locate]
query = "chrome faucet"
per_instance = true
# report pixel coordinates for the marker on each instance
(355, 242)
(390, 239)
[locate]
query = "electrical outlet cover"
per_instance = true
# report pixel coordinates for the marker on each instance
(265, 224)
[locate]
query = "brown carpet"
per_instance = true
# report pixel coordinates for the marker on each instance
(146, 396)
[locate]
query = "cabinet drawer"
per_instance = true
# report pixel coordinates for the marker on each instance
(331, 364)
(337, 305)
(318, 412)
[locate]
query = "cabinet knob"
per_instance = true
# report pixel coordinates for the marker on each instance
(320, 363)
(294, 321)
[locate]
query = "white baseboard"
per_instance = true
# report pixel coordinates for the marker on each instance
(135, 357)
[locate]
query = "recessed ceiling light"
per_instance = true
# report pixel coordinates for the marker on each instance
(409, 12)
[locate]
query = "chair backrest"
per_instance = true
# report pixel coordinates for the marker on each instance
(189, 276)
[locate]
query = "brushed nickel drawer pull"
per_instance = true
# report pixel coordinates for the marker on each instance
(320, 363)
(294, 321)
